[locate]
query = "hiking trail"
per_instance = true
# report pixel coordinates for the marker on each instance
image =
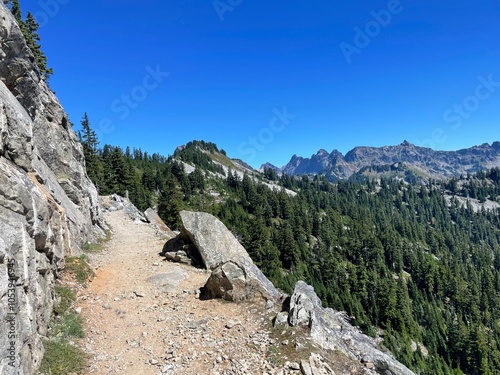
(143, 315)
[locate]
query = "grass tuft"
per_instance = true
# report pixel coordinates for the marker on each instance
(79, 268)
(68, 325)
(98, 246)
(62, 358)
(67, 297)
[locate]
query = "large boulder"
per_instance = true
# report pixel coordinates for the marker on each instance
(156, 220)
(48, 205)
(234, 275)
(330, 330)
(211, 237)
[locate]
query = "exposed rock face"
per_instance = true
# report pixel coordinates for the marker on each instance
(330, 330)
(48, 206)
(235, 277)
(425, 161)
(156, 220)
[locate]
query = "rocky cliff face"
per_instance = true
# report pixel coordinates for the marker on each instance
(48, 206)
(423, 161)
(330, 330)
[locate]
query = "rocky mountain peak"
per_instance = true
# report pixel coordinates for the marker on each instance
(322, 152)
(425, 161)
(268, 165)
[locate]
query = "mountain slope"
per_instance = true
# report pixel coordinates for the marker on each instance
(413, 264)
(410, 262)
(422, 161)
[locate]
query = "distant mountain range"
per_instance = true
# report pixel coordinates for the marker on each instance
(404, 158)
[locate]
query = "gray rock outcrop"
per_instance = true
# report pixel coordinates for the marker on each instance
(316, 365)
(48, 206)
(115, 202)
(234, 275)
(330, 330)
(153, 218)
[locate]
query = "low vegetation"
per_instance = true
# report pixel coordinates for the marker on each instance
(67, 325)
(79, 269)
(66, 298)
(98, 246)
(62, 356)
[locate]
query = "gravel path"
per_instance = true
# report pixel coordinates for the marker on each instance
(143, 315)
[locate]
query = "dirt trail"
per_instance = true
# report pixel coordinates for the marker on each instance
(143, 315)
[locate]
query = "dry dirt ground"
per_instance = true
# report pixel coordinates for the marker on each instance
(143, 315)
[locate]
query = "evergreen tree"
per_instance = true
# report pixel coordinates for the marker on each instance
(170, 203)
(29, 28)
(89, 137)
(15, 9)
(89, 141)
(33, 41)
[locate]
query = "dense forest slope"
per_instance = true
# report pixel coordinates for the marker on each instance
(417, 265)
(48, 206)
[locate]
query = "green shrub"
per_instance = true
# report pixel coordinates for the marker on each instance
(61, 358)
(79, 268)
(67, 297)
(68, 325)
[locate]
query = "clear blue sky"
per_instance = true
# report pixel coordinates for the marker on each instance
(267, 79)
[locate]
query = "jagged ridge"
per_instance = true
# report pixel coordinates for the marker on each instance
(426, 162)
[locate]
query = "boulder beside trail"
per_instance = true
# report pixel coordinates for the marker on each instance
(211, 237)
(234, 275)
(331, 330)
(156, 220)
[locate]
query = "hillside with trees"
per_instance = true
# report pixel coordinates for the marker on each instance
(408, 262)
